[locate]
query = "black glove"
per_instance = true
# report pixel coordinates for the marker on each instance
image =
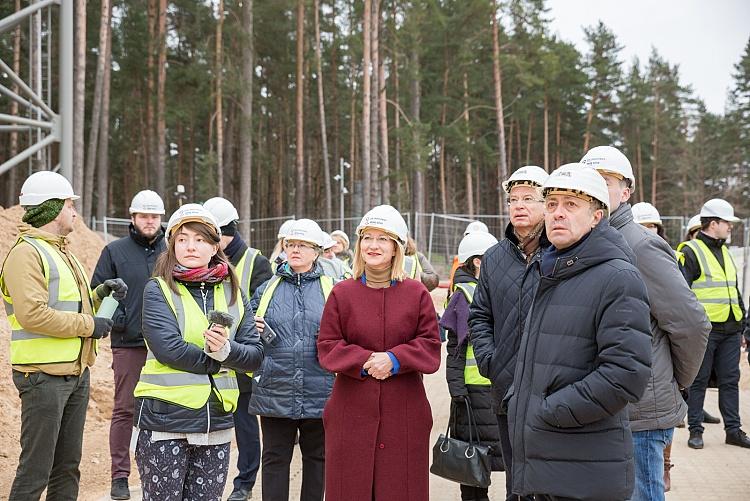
(102, 327)
(115, 286)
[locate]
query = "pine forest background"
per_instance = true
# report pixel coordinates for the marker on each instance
(430, 103)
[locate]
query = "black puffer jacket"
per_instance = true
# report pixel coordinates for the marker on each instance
(480, 398)
(585, 353)
(501, 303)
(166, 342)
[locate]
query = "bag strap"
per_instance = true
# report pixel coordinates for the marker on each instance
(472, 422)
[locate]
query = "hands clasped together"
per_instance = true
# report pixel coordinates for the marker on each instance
(379, 365)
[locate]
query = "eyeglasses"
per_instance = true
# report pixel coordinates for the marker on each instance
(381, 241)
(525, 201)
(297, 245)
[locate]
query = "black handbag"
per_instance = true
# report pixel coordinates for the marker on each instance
(467, 463)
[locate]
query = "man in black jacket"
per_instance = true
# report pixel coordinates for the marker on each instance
(131, 258)
(710, 271)
(253, 269)
(585, 352)
(503, 294)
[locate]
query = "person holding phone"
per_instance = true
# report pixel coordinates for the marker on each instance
(291, 388)
(187, 389)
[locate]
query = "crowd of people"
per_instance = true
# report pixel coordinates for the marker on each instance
(575, 345)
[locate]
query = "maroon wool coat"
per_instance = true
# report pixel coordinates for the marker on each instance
(377, 433)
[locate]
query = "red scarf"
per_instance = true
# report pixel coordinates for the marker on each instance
(211, 275)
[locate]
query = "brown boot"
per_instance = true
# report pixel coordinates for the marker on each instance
(667, 466)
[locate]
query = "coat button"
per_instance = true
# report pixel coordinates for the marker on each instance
(382, 446)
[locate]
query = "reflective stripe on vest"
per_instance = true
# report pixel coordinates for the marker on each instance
(471, 371)
(245, 268)
(715, 288)
(190, 390)
(412, 268)
(64, 294)
(326, 284)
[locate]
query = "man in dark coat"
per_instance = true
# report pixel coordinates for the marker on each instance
(507, 280)
(131, 258)
(585, 352)
(252, 269)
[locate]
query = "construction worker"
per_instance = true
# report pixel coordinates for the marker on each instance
(461, 372)
(131, 258)
(509, 270)
(648, 216)
(277, 255)
(418, 267)
(253, 269)
(679, 328)
(712, 274)
(693, 227)
(291, 388)
(199, 330)
(50, 307)
(341, 249)
(585, 352)
(470, 228)
(332, 265)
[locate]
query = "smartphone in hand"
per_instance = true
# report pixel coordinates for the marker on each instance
(268, 335)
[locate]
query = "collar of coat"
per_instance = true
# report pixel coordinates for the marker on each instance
(26, 230)
(138, 238)
(621, 216)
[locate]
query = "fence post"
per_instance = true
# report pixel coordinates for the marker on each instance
(104, 225)
(432, 229)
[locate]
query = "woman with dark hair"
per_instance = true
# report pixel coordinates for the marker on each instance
(187, 390)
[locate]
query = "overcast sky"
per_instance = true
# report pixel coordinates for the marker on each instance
(705, 37)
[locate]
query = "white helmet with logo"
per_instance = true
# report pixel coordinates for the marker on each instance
(222, 209)
(387, 219)
(644, 213)
(577, 179)
(306, 230)
(45, 185)
(147, 202)
(191, 213)
(476, 226)
(475, 244)
(284, 229)
(528, 175)
(719, 208)
(609, 160)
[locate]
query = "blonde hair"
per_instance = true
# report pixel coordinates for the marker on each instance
(397, 264)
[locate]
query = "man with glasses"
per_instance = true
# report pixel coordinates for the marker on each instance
(507, 280)
(711, 272)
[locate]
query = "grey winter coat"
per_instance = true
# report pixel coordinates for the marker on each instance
(584, 355)
(291, 383)
(679, 327)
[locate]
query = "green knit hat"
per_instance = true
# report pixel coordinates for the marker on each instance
(39, 215)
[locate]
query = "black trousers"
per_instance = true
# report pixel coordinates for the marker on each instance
(53, 412)
(278, 447)
(723, 356)
(247, 432)
(502, 423)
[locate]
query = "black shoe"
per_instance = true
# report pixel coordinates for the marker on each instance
(241, 494)
(120, 489)
(708, 418)
(696, 440)
(738, 438)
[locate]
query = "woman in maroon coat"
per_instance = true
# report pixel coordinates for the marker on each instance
(379, 334)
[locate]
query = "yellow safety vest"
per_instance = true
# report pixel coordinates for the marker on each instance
(190, 390)
(33, 348)
(716, 287)
(326, 284)
(245, 268)
(412, 268)
(471, 371)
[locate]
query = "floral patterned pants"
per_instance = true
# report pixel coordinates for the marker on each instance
(174, 470)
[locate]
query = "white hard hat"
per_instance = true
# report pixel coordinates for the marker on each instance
(328, 241)
(719, 208)
(529, 175)
(340, 233)
(577, 178)
(146, 202)
(306, 230)
(45, 185)
(608, 159)
(644, 212)
(188, 213)
(284, 229)
(475, 226)
(385, 218)
(222, 209)
(475, 244)
(694, 223)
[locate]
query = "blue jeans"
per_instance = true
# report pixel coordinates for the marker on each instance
(648, 447)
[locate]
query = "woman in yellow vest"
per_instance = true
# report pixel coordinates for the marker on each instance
(187, 390)
(464, 381)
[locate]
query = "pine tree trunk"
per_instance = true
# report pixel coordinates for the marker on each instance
(366, 97)
(589, 120)
(639, 162)
(375, 104)
(300, 111)
(655, 143)
(467, 140)
(79, 96)
(415, 109)
(153, 21)
(546, 134)
(218, 69)
(510, 143)
(322, 113)
(102, 172)
(246, 117)
(161, 81)
(443, 118)
(528, 139)
(385, 168)
(557, 140)
(502, 167)
(397, 125)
